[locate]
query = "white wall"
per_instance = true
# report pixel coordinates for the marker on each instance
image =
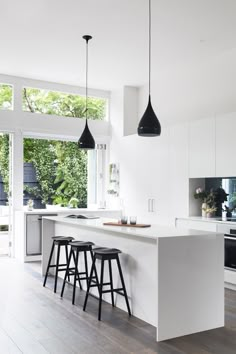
(155, 168)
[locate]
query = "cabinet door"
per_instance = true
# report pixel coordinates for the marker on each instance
(33, 235)
(202, 148)
(225, 145)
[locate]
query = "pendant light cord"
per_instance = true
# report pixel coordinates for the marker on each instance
(150, 44)
(86, 108)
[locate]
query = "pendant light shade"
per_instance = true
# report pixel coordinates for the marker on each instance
(86, 141)
(149, 124)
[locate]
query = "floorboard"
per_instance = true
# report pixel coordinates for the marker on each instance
(35, 320)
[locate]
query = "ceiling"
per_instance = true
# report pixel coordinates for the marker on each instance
(193, 57)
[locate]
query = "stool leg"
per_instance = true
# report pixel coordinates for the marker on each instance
(123, 284)
(89, 283)
(111, 281)
(66, 273)
(76, 274)
(57, 266)
(49, 263)
(86, 266)
(95, 271)
(76, 269)
(100, 290)
(67, 260)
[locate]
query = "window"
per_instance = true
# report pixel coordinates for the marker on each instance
(63, 104)
(6, 97)
(55, 172)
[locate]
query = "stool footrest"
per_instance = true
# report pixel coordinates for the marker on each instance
(93, 285)
(60, 270)
(114, 290)
(59, 265)
(118, 292)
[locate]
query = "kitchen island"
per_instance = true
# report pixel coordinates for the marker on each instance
(174, 277)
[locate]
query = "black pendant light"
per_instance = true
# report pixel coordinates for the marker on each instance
(149, 124)
(86, 141)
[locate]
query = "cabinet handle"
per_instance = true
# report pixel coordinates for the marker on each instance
(149, 205)
(153, 205)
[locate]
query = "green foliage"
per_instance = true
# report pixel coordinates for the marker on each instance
(71, 174)
(74, 202)
(6, 94)
(4, 161)
(62, 104)
(61, 170)
(212, 198)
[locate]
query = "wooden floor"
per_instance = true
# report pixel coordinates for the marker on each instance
(34, 320)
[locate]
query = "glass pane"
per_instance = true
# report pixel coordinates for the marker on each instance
(6, 97)
(62, 104)
(55, 173)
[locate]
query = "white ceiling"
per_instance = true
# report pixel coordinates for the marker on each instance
(194, 48)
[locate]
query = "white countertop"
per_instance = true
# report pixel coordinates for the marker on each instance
(153, 232)
(66, 211)
(211, 220)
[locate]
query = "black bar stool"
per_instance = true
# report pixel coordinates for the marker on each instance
(58, 241)
(106, 254)
(76, 248)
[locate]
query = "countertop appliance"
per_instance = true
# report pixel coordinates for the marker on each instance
(230, 250)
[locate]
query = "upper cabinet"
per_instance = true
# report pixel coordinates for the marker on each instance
(202, 148)
(225, 145)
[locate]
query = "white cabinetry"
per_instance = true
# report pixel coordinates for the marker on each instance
(225, 145)
(202, 148)
(223, 228)
(33, 235)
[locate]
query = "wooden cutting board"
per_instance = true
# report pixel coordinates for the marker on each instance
(127, 225)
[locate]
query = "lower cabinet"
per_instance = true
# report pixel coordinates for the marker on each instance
(34, 234)
(229, 275)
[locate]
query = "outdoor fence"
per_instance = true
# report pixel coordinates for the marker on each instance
(31, 181)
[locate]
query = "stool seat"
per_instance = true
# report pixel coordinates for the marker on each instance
(81, 243)
(62, 240)
(106, 251)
